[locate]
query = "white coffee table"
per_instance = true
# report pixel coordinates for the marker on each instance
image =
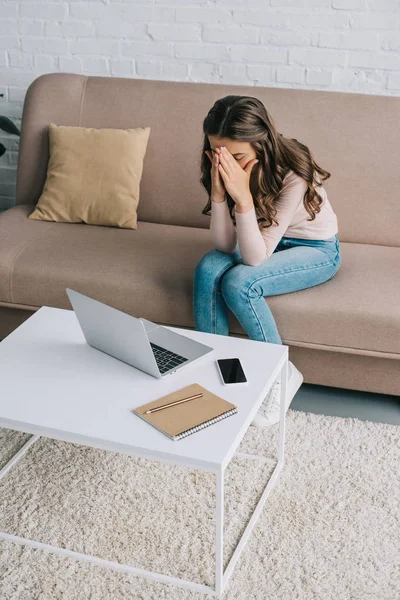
(54, 385)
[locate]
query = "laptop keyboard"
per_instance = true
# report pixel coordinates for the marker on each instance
(166, 359)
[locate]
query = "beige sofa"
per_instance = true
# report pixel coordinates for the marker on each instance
(343, 333)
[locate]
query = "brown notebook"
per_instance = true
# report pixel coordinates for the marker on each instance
(184, 419)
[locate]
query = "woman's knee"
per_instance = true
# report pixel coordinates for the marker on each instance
(242, 282)
(236, 282)
(212, 262)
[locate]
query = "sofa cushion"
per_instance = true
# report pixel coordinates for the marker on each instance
(148, 272)
(358, 309)
(93, 176)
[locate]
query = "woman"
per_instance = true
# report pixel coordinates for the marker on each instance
(272, 226)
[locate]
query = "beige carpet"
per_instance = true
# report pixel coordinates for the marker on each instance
(330, 529)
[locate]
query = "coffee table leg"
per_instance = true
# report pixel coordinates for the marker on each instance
(219, 533)
(282, 414)
(21, 452)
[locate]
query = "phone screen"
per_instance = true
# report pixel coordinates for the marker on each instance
(231, 370)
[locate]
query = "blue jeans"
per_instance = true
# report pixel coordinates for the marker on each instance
(221, 282)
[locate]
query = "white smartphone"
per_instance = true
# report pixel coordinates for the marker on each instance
(231, 371)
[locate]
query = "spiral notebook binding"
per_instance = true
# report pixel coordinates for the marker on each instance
(230, 412)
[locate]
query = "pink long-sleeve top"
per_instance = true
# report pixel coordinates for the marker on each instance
(257, 243)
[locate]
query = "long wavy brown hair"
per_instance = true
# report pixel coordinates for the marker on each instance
(245, 119)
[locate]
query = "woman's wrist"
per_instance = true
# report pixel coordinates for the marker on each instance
(218, 199)
(244, 206)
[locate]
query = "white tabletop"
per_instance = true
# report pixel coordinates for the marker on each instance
(54, 384)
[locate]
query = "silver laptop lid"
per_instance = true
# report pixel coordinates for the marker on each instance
(114, 332)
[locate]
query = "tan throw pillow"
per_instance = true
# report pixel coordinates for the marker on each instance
(93, 176)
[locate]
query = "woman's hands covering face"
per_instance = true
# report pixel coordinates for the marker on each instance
(218, 188)
(228, 175)
(236, 179)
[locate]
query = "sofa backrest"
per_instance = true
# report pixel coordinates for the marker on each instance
(353, 136)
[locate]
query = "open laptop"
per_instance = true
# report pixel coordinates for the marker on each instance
(138, 342)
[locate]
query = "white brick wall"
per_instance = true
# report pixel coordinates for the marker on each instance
(343, 45)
